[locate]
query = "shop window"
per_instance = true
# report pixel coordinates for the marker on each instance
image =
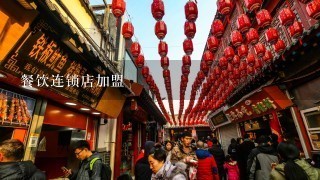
(313, 120)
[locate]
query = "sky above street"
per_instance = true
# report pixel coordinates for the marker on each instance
(139, 13)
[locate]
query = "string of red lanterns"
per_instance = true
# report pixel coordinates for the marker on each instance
(191, 14)
(158, 11)
(118, 9)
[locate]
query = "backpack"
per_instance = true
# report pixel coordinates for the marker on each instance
(105, 169)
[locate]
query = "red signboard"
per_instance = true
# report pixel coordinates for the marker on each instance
(266, 101)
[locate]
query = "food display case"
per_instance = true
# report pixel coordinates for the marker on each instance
(311, 118)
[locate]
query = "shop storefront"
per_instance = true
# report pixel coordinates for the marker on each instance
(225, 130)
(62, 126)
(307, 98)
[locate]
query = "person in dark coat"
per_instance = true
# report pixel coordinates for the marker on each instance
(142, 169)
(260, 160)
(218, 155)
(232, 149)
(244, 149)
(11, 166)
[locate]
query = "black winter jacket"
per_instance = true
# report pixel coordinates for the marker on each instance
(218, 155)
(142, 169)
(23, 170)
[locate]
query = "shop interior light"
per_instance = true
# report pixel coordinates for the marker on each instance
(70, 104)
(30, 88)
(95, 113)
(2, 75)
(84, 109)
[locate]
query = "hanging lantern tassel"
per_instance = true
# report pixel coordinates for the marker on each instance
(300, 41)
(282, 56)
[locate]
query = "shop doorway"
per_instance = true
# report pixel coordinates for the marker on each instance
(56, 151)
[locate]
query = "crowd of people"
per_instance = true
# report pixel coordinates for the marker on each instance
(181, 160)
(205, 159)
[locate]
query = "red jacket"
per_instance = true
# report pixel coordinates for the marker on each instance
(207, 167)
(232, 170)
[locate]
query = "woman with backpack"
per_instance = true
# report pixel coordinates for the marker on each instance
(293, 168)
(162, 169)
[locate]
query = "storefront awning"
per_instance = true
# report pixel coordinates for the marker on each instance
(264, 101)
(145, 101)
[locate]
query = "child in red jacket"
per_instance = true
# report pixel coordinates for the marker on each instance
(231, 168)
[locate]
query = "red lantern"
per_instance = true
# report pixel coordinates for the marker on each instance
(250, 71)
(253, 5)
(271, 35)
(135, 49)
(157, 9)
(145, 71)
(268, 57)
(184, 78)
(286, 16)
(188, 46)
(224, 6)
(191, 11)
(223, 63)
(118, 8)
(251, 60)
(236, 38)
(164, 62)
(242, 51)
(236, 61)
(140, 60)
(163, 48)
(160, 29)
(236, 74)
(243, 68)
(201, 76)
(185, 71)
(208, 57)
(212, 43)
(230, 69)
(243, 23)
(190, 29)
(279, 47)
(186, 61)
(263, 18)
(204, 67)
(313, 9)
(296, 29)
(252, 36)
(228, 53)
(258, 65)
(259, 49)
(217, 71)
(127, 30)
(225, 74)
(149, 79)
(217, 28)
(166, 74)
